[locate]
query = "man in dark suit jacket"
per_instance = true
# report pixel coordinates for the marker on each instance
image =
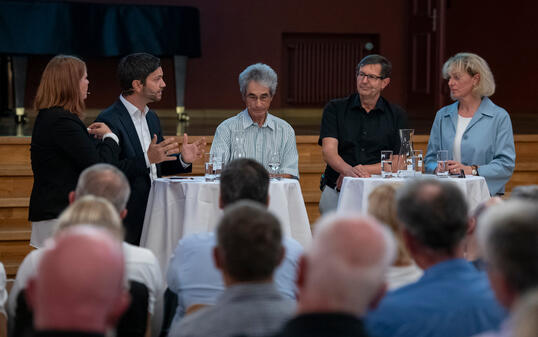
(145, 154)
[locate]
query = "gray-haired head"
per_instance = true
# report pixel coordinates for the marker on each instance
(508, 236)
(106, 181)
(260, 73)
(386, 66)
(434, 213)
(527, 192)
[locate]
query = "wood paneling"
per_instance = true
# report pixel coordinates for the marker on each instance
(16, 181)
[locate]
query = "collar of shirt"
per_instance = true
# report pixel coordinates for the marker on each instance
(248, 290)
(133, 109)
(379, 105)
(247, 120)
(448, 268)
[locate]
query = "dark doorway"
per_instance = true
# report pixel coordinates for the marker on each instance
(427, 27)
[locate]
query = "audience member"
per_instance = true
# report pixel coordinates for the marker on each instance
(110, 184)
(382, 205)
(3, 299)
(264, 134)
(192, 275)
(508, 236)
(471, 250)
(356, 128)
(249, 248)
(525, 313)
(452, 298)
(79, 286)
(145, 154)
(529, 192)
(340, 276)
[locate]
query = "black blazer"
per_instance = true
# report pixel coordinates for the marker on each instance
(61, 149)
(133, 164)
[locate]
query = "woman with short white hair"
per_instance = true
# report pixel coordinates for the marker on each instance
(477, 133)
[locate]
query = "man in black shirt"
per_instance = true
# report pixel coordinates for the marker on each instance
(355, 129)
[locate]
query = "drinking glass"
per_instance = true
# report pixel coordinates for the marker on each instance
(417, 162)
(217, 159)
(209, 171)
(442, 158)
(274, 164)
(386, 164)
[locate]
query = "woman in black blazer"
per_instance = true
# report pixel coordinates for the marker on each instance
(61, 145)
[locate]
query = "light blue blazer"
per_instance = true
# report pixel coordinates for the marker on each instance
(488, 141)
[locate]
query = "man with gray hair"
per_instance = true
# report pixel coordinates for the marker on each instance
(452, 298)
(508, 236)
(265, 137)
(340, 276)
(108, 182)
(249, 249)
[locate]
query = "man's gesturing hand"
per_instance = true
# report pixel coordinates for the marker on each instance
(164, 151)
(191, 152)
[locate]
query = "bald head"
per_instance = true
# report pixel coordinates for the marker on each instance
(80, 282)
(356, 252)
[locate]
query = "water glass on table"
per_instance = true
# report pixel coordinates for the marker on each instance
(217, 159)
(442, 159)
(209, 170)
(274, 164)
(417, 162)
(386, 164)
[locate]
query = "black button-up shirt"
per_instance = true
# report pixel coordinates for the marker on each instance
(361, 135)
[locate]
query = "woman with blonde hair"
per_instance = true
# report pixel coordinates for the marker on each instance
(61, 144)
(477, 133)
(92, 210)
(382, 206)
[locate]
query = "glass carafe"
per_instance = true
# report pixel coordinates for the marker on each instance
(405, 157)
(238, 145)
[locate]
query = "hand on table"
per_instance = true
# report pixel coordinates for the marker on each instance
(455, 167)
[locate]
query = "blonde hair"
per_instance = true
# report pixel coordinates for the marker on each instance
(60, 85)
(92, 210)
(382, 206)
(472, 64)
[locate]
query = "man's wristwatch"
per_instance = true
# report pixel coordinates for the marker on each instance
(474, 170)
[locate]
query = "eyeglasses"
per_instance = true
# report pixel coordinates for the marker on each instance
(370, 76)
(264, 98)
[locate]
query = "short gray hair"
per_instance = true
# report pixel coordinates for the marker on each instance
(434, 213)
(106, 181)
(508, 235)
(261, 73)
(386, 66)
(472, 64)
(527, 192)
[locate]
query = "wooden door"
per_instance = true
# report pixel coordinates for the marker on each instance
(427, 54)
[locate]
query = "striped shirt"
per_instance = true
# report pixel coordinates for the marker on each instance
(260, 142)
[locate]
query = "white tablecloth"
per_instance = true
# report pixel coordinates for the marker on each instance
(178, 207)
(355, 191)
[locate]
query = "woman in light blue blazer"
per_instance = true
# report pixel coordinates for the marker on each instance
(476, 132)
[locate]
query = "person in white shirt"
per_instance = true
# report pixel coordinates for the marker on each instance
(145, 154)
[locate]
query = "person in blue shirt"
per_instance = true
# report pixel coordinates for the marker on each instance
(452, 298)
(477, 133)
(192, 274)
